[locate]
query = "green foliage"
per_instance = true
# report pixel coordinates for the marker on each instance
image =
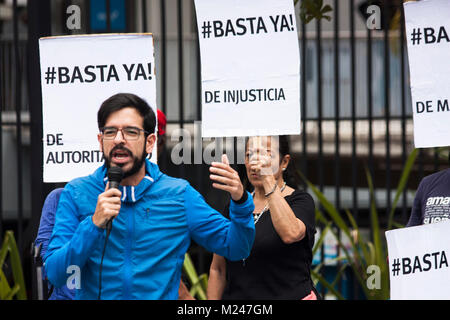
(313, 9)
(361, 254)
(199, 284)
(18, 289)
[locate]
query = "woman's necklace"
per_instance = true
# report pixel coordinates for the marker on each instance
(257, 216)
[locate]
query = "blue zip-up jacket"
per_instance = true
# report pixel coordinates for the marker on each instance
(149, 237)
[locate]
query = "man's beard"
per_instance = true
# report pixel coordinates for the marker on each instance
(138, 162)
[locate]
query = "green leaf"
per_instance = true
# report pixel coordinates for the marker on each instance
(197, 290)
(15, 290)
(329, 262)
(319, 242)
(326, 9)
(309, 19)
(372, 253)
(335, 216)
(313, 9)
(4, 286)
(359, 243)
(188, 267)
(329, 208)
(204, 281)
(397, 225)
(339, 274)
(198, 287)
(374, 220)
(379, 249)
(10, 246)
(327, 285)
(402, 184)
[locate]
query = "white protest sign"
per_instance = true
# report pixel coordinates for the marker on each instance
(419, 260)
(428, 34)
(250, 64)
(78, 73)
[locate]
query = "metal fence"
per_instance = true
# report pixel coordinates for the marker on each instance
(355, 104)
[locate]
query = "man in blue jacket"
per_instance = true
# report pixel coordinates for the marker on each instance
(155, 216)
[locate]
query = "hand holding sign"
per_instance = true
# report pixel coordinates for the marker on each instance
(226, 178)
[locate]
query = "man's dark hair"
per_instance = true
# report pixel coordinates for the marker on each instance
(123, 100)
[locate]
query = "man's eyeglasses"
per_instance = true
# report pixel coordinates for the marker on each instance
(129, 133)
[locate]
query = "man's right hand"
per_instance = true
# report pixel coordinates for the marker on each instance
(108, 207)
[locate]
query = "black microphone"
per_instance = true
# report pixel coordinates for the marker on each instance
(115, 175)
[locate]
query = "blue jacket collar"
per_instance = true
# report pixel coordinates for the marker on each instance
(132, 194)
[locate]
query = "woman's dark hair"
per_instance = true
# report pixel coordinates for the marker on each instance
(127, 100)
(290, 175)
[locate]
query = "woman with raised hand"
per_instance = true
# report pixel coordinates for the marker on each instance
(278, 266)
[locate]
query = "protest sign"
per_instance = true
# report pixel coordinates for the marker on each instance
(419, 262)
(428, 37)
(250, 67)
(77, 74)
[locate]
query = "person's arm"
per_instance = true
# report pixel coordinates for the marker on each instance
(183, 292)
(231, 238)
(217, 278)
(290, 228)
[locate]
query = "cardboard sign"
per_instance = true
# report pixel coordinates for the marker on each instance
(428, 35)
(250, 64)
(78, 73)
(419, 260)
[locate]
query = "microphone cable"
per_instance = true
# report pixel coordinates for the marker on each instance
(108, 232)
(115, 175)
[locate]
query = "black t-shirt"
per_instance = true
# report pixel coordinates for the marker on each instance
(275, 270)
(432, 200)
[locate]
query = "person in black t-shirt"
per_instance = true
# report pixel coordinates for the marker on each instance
(432, 200)
(279, 264)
